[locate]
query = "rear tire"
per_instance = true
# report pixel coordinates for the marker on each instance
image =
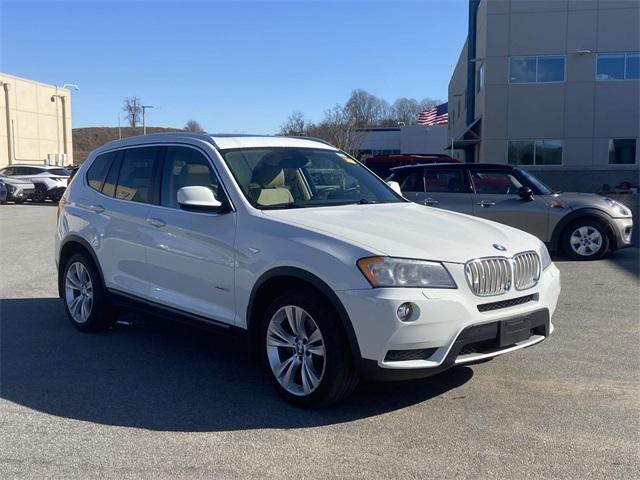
(586, 239)
(311, 364)
(38, 196)
(84, 295)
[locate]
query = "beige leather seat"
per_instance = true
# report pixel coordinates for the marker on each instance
(268, 185)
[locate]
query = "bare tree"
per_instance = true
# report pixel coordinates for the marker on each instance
(193, 126)
(133, 110)
(429, 102)
(338, 128)
(343, 125)
(365, 110)
(295, 125)
(406, 111)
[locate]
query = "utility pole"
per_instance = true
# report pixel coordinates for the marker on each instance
(144, 124)
(119, 128)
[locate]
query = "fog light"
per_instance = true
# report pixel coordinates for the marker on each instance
(404, 312)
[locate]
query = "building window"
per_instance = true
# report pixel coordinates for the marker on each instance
(540, 69)
(622, 151)
(618, 66)
(479, 79)
(535, 152)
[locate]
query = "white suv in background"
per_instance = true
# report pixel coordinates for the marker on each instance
(330, 273)
(50, 181)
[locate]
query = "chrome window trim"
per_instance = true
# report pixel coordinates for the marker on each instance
(160, 144)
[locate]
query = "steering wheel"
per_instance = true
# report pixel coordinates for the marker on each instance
(323, 194)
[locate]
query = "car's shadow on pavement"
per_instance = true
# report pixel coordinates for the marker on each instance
(158, 375)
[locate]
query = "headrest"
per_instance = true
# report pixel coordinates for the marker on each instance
(268, 176)
(270, 170)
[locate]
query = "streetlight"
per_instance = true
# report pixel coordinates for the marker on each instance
(144, 124)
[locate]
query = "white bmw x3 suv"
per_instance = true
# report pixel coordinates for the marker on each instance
(332, 275)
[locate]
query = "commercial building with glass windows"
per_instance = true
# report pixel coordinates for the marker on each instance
(555, 86)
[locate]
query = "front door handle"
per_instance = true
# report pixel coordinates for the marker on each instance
(156, 222)
(431, 201)
(484, 204)
(96, 208)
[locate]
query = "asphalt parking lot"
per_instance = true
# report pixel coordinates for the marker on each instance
(153, 399)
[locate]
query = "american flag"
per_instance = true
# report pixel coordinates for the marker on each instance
(438, 115)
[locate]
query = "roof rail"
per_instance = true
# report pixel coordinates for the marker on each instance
(307, 137)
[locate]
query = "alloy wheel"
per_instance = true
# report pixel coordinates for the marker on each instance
(586, 241)
(296, 350)
(78, 292)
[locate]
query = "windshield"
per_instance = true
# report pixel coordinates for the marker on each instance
(273, 178)
(537, 183)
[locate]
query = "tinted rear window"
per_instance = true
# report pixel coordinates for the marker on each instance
(98, 170)
(59, 171)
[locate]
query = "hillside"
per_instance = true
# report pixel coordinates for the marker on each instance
(87, 139)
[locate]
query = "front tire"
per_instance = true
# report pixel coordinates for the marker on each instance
(38, 196)
(84, 296)
(586, 239)
(306, 351)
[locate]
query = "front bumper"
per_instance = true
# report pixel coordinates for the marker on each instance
(622, 228)
(441, 325)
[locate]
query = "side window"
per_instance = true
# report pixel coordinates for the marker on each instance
(444, 181)
(137, 175)
(109, 187)
(97, 172)
(18, 171)
(413, 182)
(186, 167)
(495, 183)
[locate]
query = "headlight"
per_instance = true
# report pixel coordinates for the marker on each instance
(402, 272)
(545, 258)
(618, 207)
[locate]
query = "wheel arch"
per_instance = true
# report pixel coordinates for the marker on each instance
(71, 245)
(280, 278)
(583, 213)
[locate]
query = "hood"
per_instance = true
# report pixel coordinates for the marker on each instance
(579, 200)
(410, 230)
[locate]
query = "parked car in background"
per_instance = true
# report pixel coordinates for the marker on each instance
(50, 181)
(585, 226)
(381, 165)
(331, 274)
(17, 190)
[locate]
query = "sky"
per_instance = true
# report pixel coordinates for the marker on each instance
(232, 66)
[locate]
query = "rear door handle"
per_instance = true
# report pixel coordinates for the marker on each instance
(484, 204)
(431, 201)
(156, 222)
(96, 208)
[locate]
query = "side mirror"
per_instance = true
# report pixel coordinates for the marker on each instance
(395, 186)
(198, 199)
(525, 193)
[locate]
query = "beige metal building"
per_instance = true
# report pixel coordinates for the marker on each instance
(553, 86)
(35, 122)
